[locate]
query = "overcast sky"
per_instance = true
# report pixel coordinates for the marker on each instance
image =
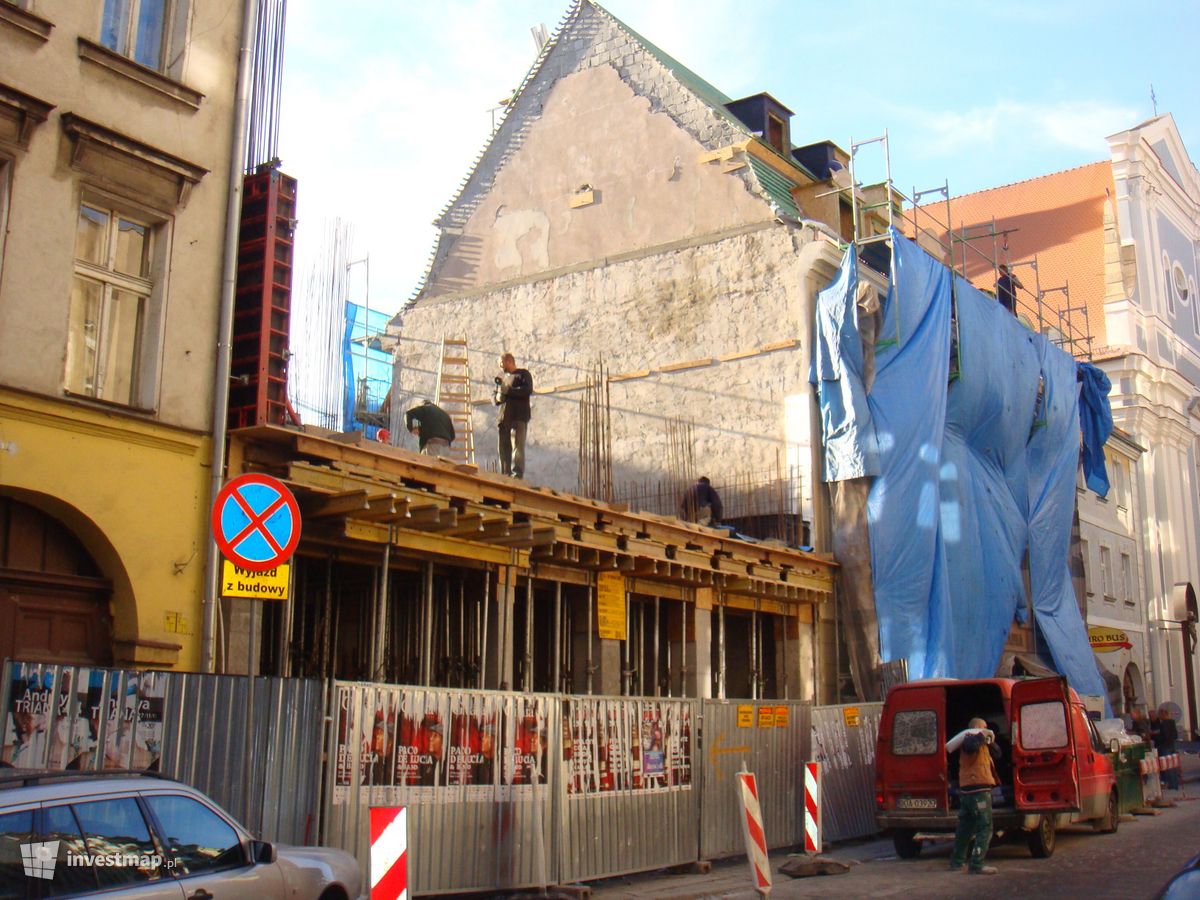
(388, 102)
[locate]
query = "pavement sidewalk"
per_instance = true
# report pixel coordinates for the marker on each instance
(730, 878)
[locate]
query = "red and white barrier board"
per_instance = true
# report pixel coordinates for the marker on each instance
(812, 807)
(389, 853)
(752, 828)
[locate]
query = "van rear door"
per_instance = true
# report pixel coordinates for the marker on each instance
(1045, 778)
(912, 752)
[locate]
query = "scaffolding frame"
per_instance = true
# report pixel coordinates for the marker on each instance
(1065, 325)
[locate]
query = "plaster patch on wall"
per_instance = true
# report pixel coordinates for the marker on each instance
(521, 237)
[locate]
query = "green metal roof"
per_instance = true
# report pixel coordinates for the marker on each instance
(777, 186)
(717, 100)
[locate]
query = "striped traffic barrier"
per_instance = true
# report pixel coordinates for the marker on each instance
(812, 807)
(389, 853)
(752, 829)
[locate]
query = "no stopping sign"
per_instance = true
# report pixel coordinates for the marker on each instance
(256, 522)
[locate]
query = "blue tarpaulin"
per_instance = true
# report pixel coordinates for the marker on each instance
(971, 472)
(908, 411)
(837, 372)
(1095, 418)
(366, 369)
(1053, 463)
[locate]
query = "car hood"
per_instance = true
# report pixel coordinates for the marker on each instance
(312, 868)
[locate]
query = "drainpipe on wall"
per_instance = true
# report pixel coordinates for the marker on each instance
(233, 216)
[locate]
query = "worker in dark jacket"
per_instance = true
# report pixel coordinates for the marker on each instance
(432, 426)
(513, 390)
(701, 503)
(1006, 289)
(977, 757)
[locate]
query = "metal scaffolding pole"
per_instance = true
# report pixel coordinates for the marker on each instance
(527, 674)
(427, 624)
(483, 626)
(720, 647)
(591, 603)
(380, 629)
(556, 674)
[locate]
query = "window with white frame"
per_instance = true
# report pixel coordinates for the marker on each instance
(1168, 287)
(1127, 579)
(111, 334)
(150, 32)
(1120, 482)
(1106, 572)
(1195, 307)
(1087, 568)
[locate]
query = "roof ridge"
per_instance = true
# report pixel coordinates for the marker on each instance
(1032, 178)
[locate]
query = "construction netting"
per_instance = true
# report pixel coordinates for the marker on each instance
(367, 370)
(967, 443)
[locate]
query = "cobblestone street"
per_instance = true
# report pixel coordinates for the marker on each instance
(1132, 864)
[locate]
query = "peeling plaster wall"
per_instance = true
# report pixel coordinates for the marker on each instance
(648, 185)
(703, 301)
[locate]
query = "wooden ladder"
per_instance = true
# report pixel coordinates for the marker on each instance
(454, 396)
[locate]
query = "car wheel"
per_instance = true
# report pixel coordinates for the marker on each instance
(1041, 839)
(1112, 816)
(906, 844)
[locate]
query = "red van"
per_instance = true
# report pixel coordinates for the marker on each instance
(1054, 770)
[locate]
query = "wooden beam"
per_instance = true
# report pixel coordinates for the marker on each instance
(338, 505)
(436, 544)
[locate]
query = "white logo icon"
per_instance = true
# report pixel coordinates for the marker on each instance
(39, 859)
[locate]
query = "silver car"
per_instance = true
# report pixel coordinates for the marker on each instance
(143, 836)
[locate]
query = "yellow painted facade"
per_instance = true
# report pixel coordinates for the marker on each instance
(115, 162)
(136, 495)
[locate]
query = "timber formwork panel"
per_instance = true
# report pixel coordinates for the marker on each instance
(429, 508)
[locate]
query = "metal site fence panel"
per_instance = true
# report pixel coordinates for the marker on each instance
(474, 769)
(630, 798)
(772, 738)
(191, 727)
(843, 741)
(257, 754)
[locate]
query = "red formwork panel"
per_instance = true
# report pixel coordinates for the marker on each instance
(263, 308)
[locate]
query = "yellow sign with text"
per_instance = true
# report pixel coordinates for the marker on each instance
(273, 584)
(745, 716)
(781, 717)
(766, 717)
(1108, 640)
(610, 606)
(850, 715)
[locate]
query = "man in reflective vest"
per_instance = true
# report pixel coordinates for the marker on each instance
(977, 755)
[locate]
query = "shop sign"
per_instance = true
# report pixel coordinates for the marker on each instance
(1108, 640)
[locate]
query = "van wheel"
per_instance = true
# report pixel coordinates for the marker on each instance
(1112, 817)
(906, 844)
(1041, 839)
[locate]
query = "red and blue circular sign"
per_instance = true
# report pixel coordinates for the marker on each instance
(256, 522)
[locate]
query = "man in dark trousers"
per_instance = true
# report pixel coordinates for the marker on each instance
(1165, 735)
(513, 390)
(977, 756)
(701, 503)
(1006, 289)
(432, 426)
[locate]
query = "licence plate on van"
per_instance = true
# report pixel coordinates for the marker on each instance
(916, 803)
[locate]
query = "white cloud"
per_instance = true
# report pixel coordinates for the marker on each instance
(1075, 125)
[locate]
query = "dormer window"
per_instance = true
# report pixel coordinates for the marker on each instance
(775, 132)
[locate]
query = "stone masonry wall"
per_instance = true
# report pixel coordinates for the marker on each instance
(717, 299)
